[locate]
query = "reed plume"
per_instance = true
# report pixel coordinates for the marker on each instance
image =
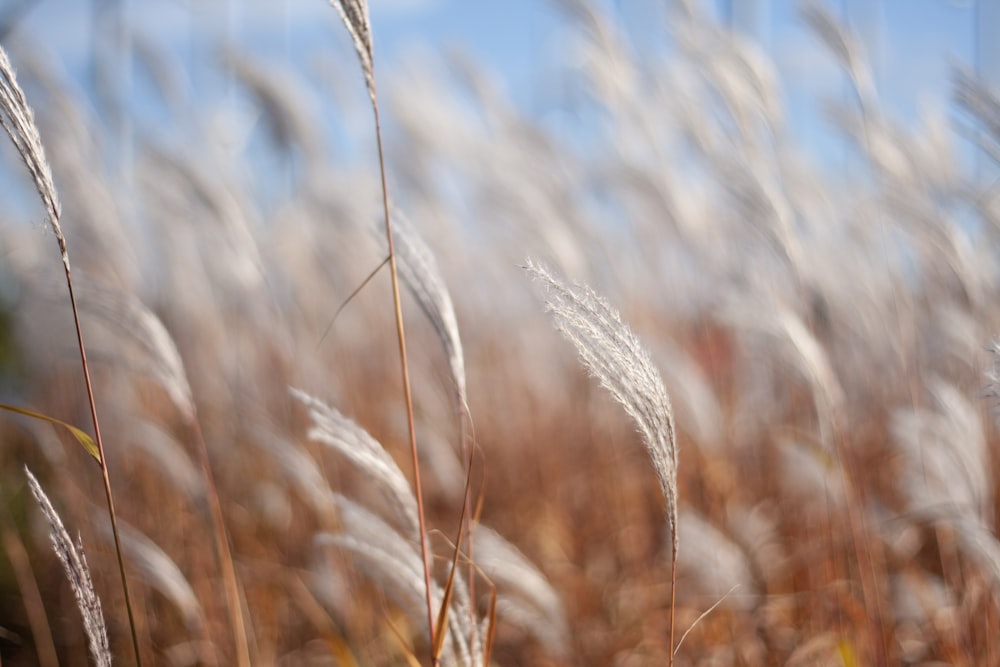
(615, 356)
(18, 122)
(74, 562)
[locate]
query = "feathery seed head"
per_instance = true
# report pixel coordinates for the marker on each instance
(18, 121)
(614, 355)
(354, 14)
(74, 563)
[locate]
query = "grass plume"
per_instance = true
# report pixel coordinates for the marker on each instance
(820, 330)
(354, 14)
(18, 121)
(74, 563)
(618, 360)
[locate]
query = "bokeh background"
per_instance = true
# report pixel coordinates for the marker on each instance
(792, 204)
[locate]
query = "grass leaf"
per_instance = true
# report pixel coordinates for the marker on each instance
(81, 436)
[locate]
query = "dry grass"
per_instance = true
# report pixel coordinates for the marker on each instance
(824, 343)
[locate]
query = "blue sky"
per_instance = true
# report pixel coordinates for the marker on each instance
(917, 36)
(915, 43)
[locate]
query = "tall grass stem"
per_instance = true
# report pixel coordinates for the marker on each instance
(405, 373)
(18, 121)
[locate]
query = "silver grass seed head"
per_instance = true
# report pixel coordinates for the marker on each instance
(74, 563)
(18, 121)
(977, 99)
(993, 381)
(613, 354)
(346, 437)
(526, 597)
(285, 111)
(944, 455)
(844, 47)
(159, 571)
(354, 14)
(394, 561)
(301, 470)
(716, 562)
(419, 270)
(141, 330)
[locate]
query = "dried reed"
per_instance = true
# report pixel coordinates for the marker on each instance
(18, 121)
(74, 563)
(615, 356)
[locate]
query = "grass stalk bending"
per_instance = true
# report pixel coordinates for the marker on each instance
(354, 14)
(614, 355)
(18, 121)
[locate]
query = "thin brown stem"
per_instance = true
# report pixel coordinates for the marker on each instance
(404, 369)
(103, 460)
(31, 597)
(468, 439)
(18, 122)
(350, 298)
(673, 599)
(867, 568)
(222, 550)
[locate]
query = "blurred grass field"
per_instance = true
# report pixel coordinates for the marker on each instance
(827, 341)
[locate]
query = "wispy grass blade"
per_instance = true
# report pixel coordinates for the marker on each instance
(351, 441)
(390, 559)
(304, 474)
(161, 573)
(420, 272)
(31, 596)
(80, 435)
(615, 356)
(355, 17)
(18, 121)
(354, 14)
(845, 48)
(716, 562)
(525, 596)
(141, 327)
(982, 104)
(74, 563)
(944, 454)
